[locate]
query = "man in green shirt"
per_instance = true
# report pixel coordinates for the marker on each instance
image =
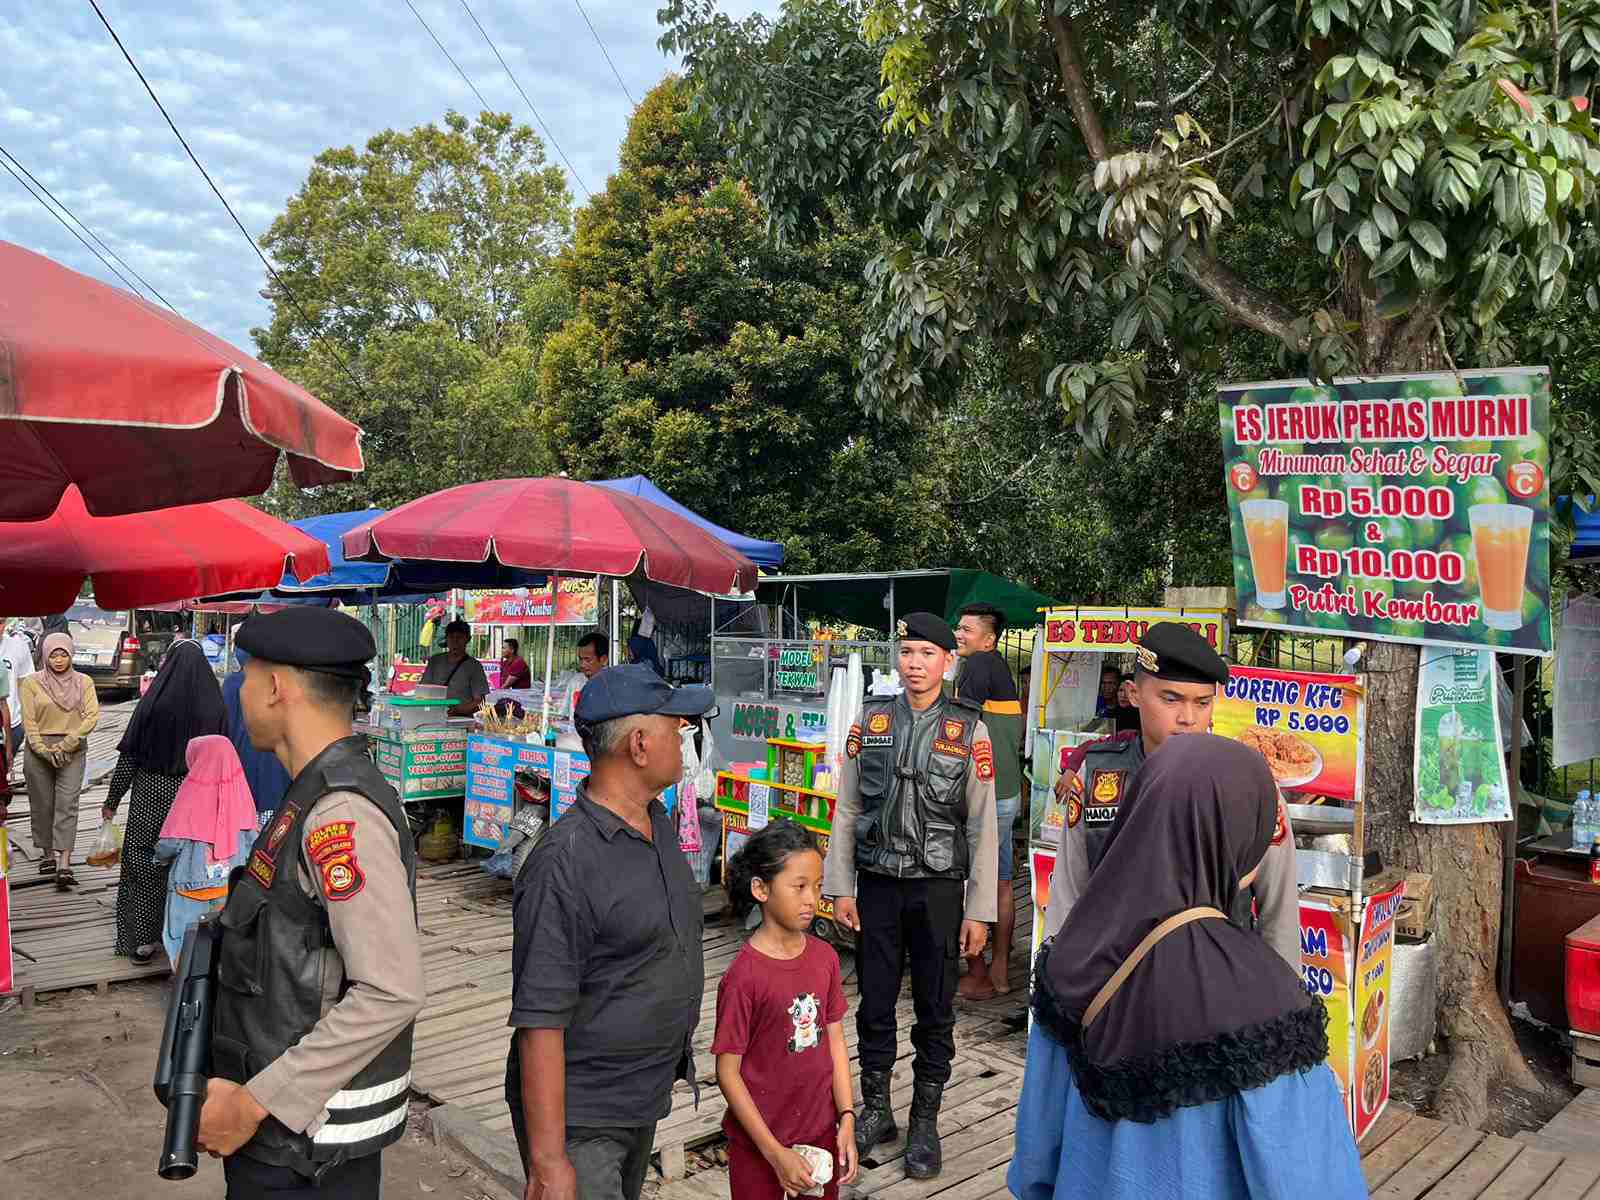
(985, 680)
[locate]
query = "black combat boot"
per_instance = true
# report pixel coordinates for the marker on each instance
(923, 1157)
(876, 1123)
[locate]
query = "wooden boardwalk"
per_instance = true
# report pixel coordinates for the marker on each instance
(64, 939)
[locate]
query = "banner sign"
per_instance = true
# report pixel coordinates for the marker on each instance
(1309, 727)
(1577, 699)
(1394, 507)
(1459, 770)
(405, 676)
(577, 604)
(1374, 986)
(1325, 966)
(1118, 630)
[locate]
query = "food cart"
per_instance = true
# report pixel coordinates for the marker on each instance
(1311, 729)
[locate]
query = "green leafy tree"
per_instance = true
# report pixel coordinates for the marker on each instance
(1347, 185)
(720, 365)
(420, 288)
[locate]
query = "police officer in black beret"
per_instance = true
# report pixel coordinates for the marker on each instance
(913, 866)
(312, 1083)
(1175, 687)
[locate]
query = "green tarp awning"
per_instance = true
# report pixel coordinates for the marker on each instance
(863, 599)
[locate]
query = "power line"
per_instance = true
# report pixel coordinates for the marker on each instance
(607, 54)
(271, 270)
(530, 104)
(54, 199)
(448, 55)
(40, 199)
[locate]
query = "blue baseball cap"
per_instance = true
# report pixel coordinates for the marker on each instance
(636, 690)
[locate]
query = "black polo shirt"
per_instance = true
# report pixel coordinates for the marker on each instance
(607, 947)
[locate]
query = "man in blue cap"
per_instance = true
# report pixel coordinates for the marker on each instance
(607, 971)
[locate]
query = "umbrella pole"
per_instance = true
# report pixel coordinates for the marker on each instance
(616, 616)
(550, 651)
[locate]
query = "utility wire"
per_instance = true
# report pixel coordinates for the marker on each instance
(54, 199)
(271, 270)
(607, 53)
(23, 183)
(530, 104)
(448, 55)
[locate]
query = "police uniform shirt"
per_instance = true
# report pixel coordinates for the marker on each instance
(350, 863)
(1101, 785)
(839, 869)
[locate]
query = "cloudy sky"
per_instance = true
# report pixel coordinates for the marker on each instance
(259, 90)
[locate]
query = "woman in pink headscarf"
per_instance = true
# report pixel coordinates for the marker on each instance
(208, 832)
(59, 712)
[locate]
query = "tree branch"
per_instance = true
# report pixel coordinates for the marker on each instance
(1153, 105)
(1244, 303)
(1079, 95)
(1243, 137)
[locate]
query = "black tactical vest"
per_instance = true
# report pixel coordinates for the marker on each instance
(913, 822)
(276, 946)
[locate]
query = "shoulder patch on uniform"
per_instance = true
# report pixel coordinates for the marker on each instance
(983, 759)
(852, 743)
(326, 841)
(1280, 828)
(1075, 806)
(332, 850)
(1116, 741)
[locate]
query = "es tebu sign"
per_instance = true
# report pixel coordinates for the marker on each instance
(1411, 508)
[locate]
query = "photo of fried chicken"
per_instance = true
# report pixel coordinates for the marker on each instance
(1289, 756)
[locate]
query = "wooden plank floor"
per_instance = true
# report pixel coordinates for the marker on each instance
(462, 1037)
(64, 939)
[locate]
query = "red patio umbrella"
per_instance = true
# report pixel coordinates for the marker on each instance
(138, 407)
(148, 558)
(555, 525)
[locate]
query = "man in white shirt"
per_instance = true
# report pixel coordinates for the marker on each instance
(17, 652)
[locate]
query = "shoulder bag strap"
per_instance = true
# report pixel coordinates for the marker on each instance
(1114, 984)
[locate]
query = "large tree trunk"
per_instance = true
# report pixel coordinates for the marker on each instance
(1466, 861)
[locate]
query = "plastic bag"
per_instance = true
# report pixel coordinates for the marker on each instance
(107, 847)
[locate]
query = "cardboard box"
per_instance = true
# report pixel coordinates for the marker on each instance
(1412, 919)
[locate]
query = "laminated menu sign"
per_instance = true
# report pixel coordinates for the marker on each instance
(1325, 965)
(1458, 772)
(1410, 508)
(1309, 727)
(1373, 986)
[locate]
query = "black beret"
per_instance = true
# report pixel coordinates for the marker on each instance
(925, 627)
(315, 639)
(1180, 655)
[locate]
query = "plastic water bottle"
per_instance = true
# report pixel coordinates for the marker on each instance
(1583, 820)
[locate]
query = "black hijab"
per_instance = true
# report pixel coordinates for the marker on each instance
(1211, 1010)
(184, 702)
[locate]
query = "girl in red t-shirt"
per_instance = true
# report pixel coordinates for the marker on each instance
(781, 1059)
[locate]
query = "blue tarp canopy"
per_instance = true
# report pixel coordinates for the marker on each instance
(398, 582)
(763, 554)
(1586, 543)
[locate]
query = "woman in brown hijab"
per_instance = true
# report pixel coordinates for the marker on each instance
(59, 712)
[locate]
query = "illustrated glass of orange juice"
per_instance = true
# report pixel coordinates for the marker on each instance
(1266, 529)
(1500, 535)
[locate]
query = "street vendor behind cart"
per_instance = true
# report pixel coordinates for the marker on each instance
(1174, 688)
(461, 675)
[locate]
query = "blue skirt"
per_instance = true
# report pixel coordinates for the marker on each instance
(1278, 1142)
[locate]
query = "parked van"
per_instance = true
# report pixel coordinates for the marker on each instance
(115, 648)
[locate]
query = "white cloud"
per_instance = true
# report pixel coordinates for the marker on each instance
(259, 91)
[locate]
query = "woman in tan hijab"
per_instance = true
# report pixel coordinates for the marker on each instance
(59, 712)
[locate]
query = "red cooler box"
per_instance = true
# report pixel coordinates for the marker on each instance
(1583, 978)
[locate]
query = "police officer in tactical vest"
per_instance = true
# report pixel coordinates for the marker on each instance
(1175, 688)
(320, 975)
(913, 868)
